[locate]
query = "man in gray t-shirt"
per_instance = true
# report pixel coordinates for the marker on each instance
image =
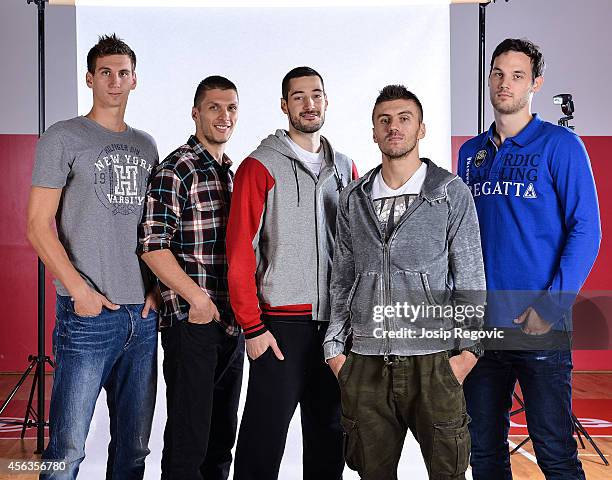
(103, 176)
(90, 177)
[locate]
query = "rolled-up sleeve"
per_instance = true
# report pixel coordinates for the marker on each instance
(166, 197)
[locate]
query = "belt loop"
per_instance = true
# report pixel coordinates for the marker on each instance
(387, 363)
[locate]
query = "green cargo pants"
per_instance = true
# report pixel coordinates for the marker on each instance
(381, 400)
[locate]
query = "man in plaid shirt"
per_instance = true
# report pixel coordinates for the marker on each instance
(182, 240)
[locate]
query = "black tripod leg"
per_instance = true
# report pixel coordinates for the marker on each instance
(26, 417)
(17, 386)
(519, 446)
(579, 436)
(590, 439)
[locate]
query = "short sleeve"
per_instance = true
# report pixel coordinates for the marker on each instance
(52, 163)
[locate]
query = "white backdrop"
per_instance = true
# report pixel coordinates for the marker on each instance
(356, 50)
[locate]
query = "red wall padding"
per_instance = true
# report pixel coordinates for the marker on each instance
(18, 260)
(18, 270)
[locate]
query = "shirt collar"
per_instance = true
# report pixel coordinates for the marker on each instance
(204, 155)
(524, 136)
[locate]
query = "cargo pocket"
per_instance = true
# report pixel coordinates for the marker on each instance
(353, 448)
(451, 447)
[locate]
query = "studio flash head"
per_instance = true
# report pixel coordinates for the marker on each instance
(567, 107)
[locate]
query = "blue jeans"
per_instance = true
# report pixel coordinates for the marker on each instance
(546, 385)
(117, 351)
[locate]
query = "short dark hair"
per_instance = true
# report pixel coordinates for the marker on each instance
(210, 83)
(298, 72)
(109, 45)
(522, 45)
(397, 92)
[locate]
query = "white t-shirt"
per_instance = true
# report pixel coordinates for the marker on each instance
(312, 160)
(387, 199)
(412, 186)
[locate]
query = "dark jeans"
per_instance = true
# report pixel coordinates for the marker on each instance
(545, 380)
(117, 351)
(381, 401)
(275, 389)
(203, 373)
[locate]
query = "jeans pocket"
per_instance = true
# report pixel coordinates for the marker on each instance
(451, 447)
(353, 447)
(84, 317)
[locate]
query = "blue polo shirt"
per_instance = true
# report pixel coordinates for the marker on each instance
(539, 218)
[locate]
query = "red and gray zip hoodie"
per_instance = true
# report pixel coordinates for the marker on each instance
(280, 233)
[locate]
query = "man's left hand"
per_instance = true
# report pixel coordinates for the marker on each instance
(462, 364)
(532, 324)
(152, 302)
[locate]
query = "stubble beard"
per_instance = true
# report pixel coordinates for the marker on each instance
(213, 141)
(395, 154)
(515, 106)
(296, 122)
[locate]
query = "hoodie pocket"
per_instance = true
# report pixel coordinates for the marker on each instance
(283, 282)
(427, 289)
(415, 302)
(411, 288)
(364, 302)
(349, 300)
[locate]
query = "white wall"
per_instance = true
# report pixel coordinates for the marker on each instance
(357, 51)
(19, 65)
(575, 40)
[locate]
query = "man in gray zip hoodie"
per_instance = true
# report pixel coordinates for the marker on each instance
(408, 284)
(280, 238)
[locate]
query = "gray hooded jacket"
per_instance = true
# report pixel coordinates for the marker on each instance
(281, 231)
(432, 258)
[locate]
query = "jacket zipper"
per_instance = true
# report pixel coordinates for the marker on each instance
(316, 206)
(387, 266)
(318, 190)
(386, 293)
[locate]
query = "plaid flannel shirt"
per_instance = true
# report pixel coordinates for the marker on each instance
(186, 211)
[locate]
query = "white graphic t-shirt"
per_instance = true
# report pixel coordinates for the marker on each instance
(391, 204)
(104, 176)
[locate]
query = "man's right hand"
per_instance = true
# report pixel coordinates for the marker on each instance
(335, 363)
(257, 346)
(203, 311)
(89, 303)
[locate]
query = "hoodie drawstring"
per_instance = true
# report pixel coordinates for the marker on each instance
(297, 184)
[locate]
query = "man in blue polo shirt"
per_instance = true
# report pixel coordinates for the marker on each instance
(539, 220)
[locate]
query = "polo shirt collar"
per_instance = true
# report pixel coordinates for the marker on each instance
(525, 136)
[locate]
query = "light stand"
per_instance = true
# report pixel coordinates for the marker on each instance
(482, 74)
(578, 429)
(41, 359)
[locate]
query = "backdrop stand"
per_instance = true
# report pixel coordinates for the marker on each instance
(36, 417)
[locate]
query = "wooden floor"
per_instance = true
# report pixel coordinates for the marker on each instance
(587, 386)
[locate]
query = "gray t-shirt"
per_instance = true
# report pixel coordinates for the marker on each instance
(104, 177)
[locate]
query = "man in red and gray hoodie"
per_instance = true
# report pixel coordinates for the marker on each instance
(280, 240)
